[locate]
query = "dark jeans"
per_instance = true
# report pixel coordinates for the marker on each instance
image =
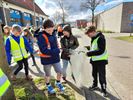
(33, 59)
(20, 64)
(99, 69)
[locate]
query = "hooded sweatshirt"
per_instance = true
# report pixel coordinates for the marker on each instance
(53, 52)
(101, 46)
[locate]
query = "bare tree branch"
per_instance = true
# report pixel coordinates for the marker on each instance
(64, 8)
(91, 4)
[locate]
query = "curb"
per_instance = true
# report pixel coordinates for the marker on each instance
(79, 92)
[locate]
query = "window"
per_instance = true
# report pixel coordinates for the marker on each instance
(26, 15)
(11, 11)
(14, 11)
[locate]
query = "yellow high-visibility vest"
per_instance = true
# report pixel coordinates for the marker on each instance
(18, 51)
(103, 56)
(4, 83)
(5, 38)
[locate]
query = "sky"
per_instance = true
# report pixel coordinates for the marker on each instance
(50, 7)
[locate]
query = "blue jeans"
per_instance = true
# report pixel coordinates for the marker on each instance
(64, 69)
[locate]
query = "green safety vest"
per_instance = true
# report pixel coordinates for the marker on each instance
(4, 83)
(94, 47)
(5, 38)
(18, 51)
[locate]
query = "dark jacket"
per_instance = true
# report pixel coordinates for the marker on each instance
(67, 44)
(53, 52)
(101, 46)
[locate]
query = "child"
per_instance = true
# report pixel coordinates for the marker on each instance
(30, 39)
(6, 32)
(99, 58)
(49, 53)
(16, 47)
(68, 43)
(60, 31)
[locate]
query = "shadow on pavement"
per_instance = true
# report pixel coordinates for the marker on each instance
(92, 95)
(123, 57)
(39, 74)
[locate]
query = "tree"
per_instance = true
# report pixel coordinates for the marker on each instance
(91, 5)
(9, 95)
(56, 17)
(64, 8)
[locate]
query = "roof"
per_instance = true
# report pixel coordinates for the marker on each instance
(112, 7)
(27, 4)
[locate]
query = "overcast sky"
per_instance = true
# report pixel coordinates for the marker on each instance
(50, 6)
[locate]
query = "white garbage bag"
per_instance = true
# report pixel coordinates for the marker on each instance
(77, 63)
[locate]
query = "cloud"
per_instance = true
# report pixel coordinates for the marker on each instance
(50, 7)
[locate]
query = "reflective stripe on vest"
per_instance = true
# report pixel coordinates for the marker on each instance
(4, 83)
(18, 50)
(103, 56)
(48, 47)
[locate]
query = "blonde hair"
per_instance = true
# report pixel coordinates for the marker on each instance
(8, 28)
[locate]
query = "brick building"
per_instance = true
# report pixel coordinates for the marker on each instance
(81, 23)
(116, 19)
(21, 12)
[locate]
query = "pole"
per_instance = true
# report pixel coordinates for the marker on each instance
(4, 13)
(9, 95)
(34, 13)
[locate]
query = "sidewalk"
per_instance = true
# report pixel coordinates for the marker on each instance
(119, 70)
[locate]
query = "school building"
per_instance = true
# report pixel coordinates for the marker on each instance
(117, 19)
(21, 12)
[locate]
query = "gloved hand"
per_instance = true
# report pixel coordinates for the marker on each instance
(87, 47)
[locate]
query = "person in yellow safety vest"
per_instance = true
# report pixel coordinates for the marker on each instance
(6, 32)
(99, 58)
(16, 47)
(4, 83)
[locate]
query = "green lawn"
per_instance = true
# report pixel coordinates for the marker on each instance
(36, 90)
(126, 38)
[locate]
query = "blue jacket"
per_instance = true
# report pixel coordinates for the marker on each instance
(8, 47)
(53, 52)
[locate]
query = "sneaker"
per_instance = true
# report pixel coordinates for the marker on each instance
(105, 93)
(103, 88)
(93, 87)
(60, 86)
(50, 89)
